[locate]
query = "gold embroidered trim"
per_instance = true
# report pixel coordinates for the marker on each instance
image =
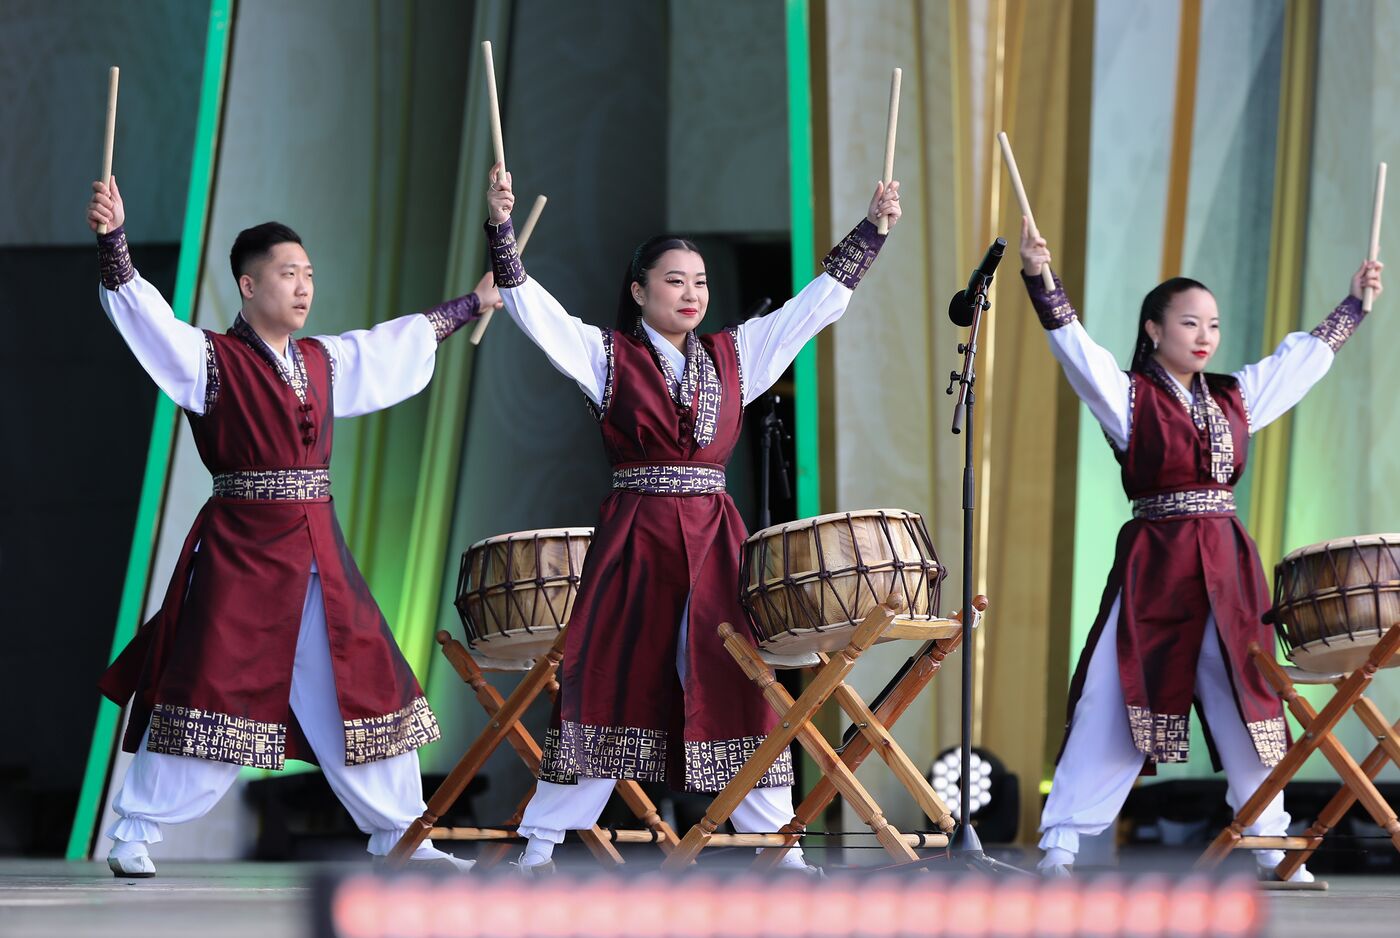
(1206, 415)
(1162, 737)
(219, 737)
(1340, 324)
(280, 485)
(1188, 504)
(599, 411)
(709, 766)
(577, 749)
(670, 479)
(850, 259)
(633, 752)
(1270, 739)
(372, 739)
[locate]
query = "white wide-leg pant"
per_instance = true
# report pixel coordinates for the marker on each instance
(383, 797)
(558, 808)
(1100, 762)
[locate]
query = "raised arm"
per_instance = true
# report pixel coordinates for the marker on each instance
(1091, 370)
(572, 346)
(175, 354)
(1273, 386)
(379, 367)
(769, 344)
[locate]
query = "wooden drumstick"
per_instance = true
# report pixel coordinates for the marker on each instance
(890, 127)
(110, 137)
(520, 243)
(497, 139)
(1367, 295)
(1046, 278)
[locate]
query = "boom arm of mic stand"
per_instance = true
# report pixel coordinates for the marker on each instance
(968, 376)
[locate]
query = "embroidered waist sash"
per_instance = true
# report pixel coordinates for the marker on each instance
(670, 479)
(1189, 503)
(278, 485)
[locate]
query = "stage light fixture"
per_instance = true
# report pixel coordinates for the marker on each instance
(993, 798)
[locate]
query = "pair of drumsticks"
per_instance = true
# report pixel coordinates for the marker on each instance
(109, 139)
(892, 123)
(1048, 279)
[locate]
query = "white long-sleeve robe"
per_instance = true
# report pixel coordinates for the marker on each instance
(373, 369)
(1100, 762)
(767, 346)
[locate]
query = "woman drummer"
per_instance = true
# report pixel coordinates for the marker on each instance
(647, 690)
(1186, 594)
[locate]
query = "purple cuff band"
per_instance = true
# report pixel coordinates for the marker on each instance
(1051, 306)
(1340, 323)
(849, 260)
(448, 317)
(505, 259)
(114, 259)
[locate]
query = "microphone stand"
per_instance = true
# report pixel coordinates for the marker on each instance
(770, 442)
(966, 845)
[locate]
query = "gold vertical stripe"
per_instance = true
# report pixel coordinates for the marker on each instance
(1072, 267)
(991, 217)
(1287, 238)
(1183, 122)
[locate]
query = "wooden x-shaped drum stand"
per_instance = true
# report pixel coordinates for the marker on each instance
(838, 770)
(505, 715)
(1317, 735)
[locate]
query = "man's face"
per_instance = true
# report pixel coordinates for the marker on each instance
(277, 289)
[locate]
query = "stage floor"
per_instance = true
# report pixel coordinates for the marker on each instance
(48, 898)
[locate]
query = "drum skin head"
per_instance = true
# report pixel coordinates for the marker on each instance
(515, 591)
(806, 584)
(1334, 600)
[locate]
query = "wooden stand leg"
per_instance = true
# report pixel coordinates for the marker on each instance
(504, 725)
(1330, 816)
(855, 794)
(492, 854)
(890, 710)
(1317, 736)
(794, 721)
(895, 757)
(645, 811)
(1350, 690)
(505, 714)
(1354, 778)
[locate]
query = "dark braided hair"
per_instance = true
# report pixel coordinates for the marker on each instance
(1154, 308)
(643, 260)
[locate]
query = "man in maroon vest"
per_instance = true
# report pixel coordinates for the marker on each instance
(268, 645)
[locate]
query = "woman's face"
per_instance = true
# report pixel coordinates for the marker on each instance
(675, 296)
(1189, 332)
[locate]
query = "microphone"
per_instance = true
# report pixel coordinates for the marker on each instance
(759, 308)
(960, 309)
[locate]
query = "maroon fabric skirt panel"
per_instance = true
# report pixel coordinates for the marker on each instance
(1171, 575)
(622, 712)
(210, 675)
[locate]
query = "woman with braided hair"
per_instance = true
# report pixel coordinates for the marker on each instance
(647, 690)
(1186, 594)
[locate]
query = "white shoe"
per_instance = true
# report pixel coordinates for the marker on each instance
(806, 869)
(1301, 875)
(458, 865)
(547, 868)
(1056, 863)
(135, 865)
(799, 864)
(429, 859)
